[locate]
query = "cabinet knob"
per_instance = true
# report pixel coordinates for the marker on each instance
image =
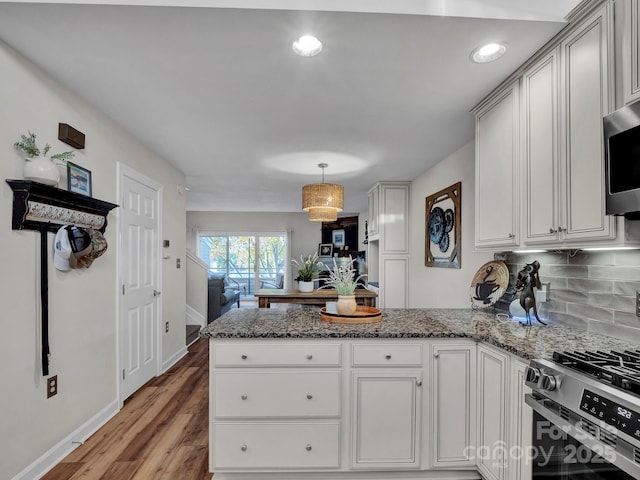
(244, 357)
(243, 448)
(436, 355)
(561, 229)
(243, 396)
(309, 396)
(511, 235)
(388, 356)
(419, 383)
(309, 447)
(551, 230)
(309, 356)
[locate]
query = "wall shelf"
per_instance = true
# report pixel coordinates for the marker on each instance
(36, 204)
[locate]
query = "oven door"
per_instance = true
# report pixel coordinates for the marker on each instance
(563, 452)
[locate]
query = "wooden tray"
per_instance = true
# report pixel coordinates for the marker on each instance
(362, 315)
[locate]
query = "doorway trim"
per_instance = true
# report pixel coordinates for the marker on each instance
(124, 170)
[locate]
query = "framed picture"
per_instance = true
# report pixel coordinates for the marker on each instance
(78, 179)
(338, 238)
(442, 228)
(325, 250)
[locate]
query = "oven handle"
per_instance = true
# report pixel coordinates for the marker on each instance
(609, 453)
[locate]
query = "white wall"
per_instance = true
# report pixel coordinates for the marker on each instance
(82, 304)
(432, 287)
(305, 235)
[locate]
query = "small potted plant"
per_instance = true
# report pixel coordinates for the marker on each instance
(37, 166)
(309, 269)
(343, 279)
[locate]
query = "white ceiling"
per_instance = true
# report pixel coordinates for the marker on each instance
(218, 92)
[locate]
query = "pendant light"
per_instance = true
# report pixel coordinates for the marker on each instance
(323, 201)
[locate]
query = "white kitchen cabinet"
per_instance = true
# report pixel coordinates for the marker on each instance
(387, 407)
(540, 149)
(630, 56)
(492, 419)
(453, 394)
(585, 97)
(497, 169)
(389, 210)
(520, 424)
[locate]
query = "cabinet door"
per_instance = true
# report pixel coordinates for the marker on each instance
(540, 153)
(374, 213)
(394, 280)
(586, 68)
(630, 50)
(497, 154)
(520, 424)
(386, 419)
(394, 219)
(453, 392)
(492, 414)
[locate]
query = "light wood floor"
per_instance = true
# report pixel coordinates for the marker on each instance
(161, 433)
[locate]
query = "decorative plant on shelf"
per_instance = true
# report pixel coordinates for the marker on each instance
(27, 144)
(38, 167)
(309, 267)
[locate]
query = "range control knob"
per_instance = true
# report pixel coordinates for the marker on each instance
(549, 382)
(532, 374)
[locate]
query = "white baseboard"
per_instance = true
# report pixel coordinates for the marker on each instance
(174, 359)
(194, 317)
(51, 458)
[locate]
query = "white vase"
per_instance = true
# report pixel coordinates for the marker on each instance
(347, 304)
(42, 170)
(305, 287)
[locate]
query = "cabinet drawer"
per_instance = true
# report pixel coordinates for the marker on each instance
(276, 354)
(387, 354)
(275, 445)
(241, 393)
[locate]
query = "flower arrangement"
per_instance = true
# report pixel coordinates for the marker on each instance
(343, 278)
(309, 267)
(27, 144)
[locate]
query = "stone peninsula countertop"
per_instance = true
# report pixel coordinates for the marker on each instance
(527, 342)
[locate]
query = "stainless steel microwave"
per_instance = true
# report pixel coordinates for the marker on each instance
(622, 161)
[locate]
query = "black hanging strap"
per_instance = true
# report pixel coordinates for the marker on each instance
(44, 298)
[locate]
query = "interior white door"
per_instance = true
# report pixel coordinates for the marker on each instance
(139, 273)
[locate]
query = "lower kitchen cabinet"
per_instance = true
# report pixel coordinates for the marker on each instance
(386, 416)
(492, 412)
(453, 393)
(520, 424)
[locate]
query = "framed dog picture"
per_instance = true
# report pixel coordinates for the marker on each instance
(442, 228)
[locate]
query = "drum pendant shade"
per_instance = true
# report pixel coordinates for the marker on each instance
(323, 201)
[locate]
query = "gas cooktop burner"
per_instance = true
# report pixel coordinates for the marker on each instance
(620, 369)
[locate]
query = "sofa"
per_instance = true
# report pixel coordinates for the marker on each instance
(221, 297)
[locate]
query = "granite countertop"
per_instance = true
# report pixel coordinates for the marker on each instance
(527, 342)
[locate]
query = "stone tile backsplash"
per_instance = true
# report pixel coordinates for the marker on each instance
(596, 290)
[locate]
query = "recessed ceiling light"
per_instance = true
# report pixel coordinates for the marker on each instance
(488, 53)
(307, 46)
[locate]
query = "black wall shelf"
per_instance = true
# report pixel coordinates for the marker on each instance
(36, 204)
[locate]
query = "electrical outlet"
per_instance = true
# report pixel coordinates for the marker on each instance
(637, 303)
(166, 327)
(52, 386)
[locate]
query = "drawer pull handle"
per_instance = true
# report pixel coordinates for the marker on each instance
(308, 447)
(309, 396)
(244, 396)
(244, 357)
(309, 356)
(388, 356)
(243, 448)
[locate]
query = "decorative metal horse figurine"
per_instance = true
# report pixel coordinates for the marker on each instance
(528, 278)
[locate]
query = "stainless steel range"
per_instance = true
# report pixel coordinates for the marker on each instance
(586, 415)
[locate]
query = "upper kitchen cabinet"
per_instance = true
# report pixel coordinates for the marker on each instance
(497, 173)
(630, 57)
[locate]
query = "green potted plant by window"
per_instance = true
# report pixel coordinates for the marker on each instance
(37, 166)
(343, 279)
(309, 269)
